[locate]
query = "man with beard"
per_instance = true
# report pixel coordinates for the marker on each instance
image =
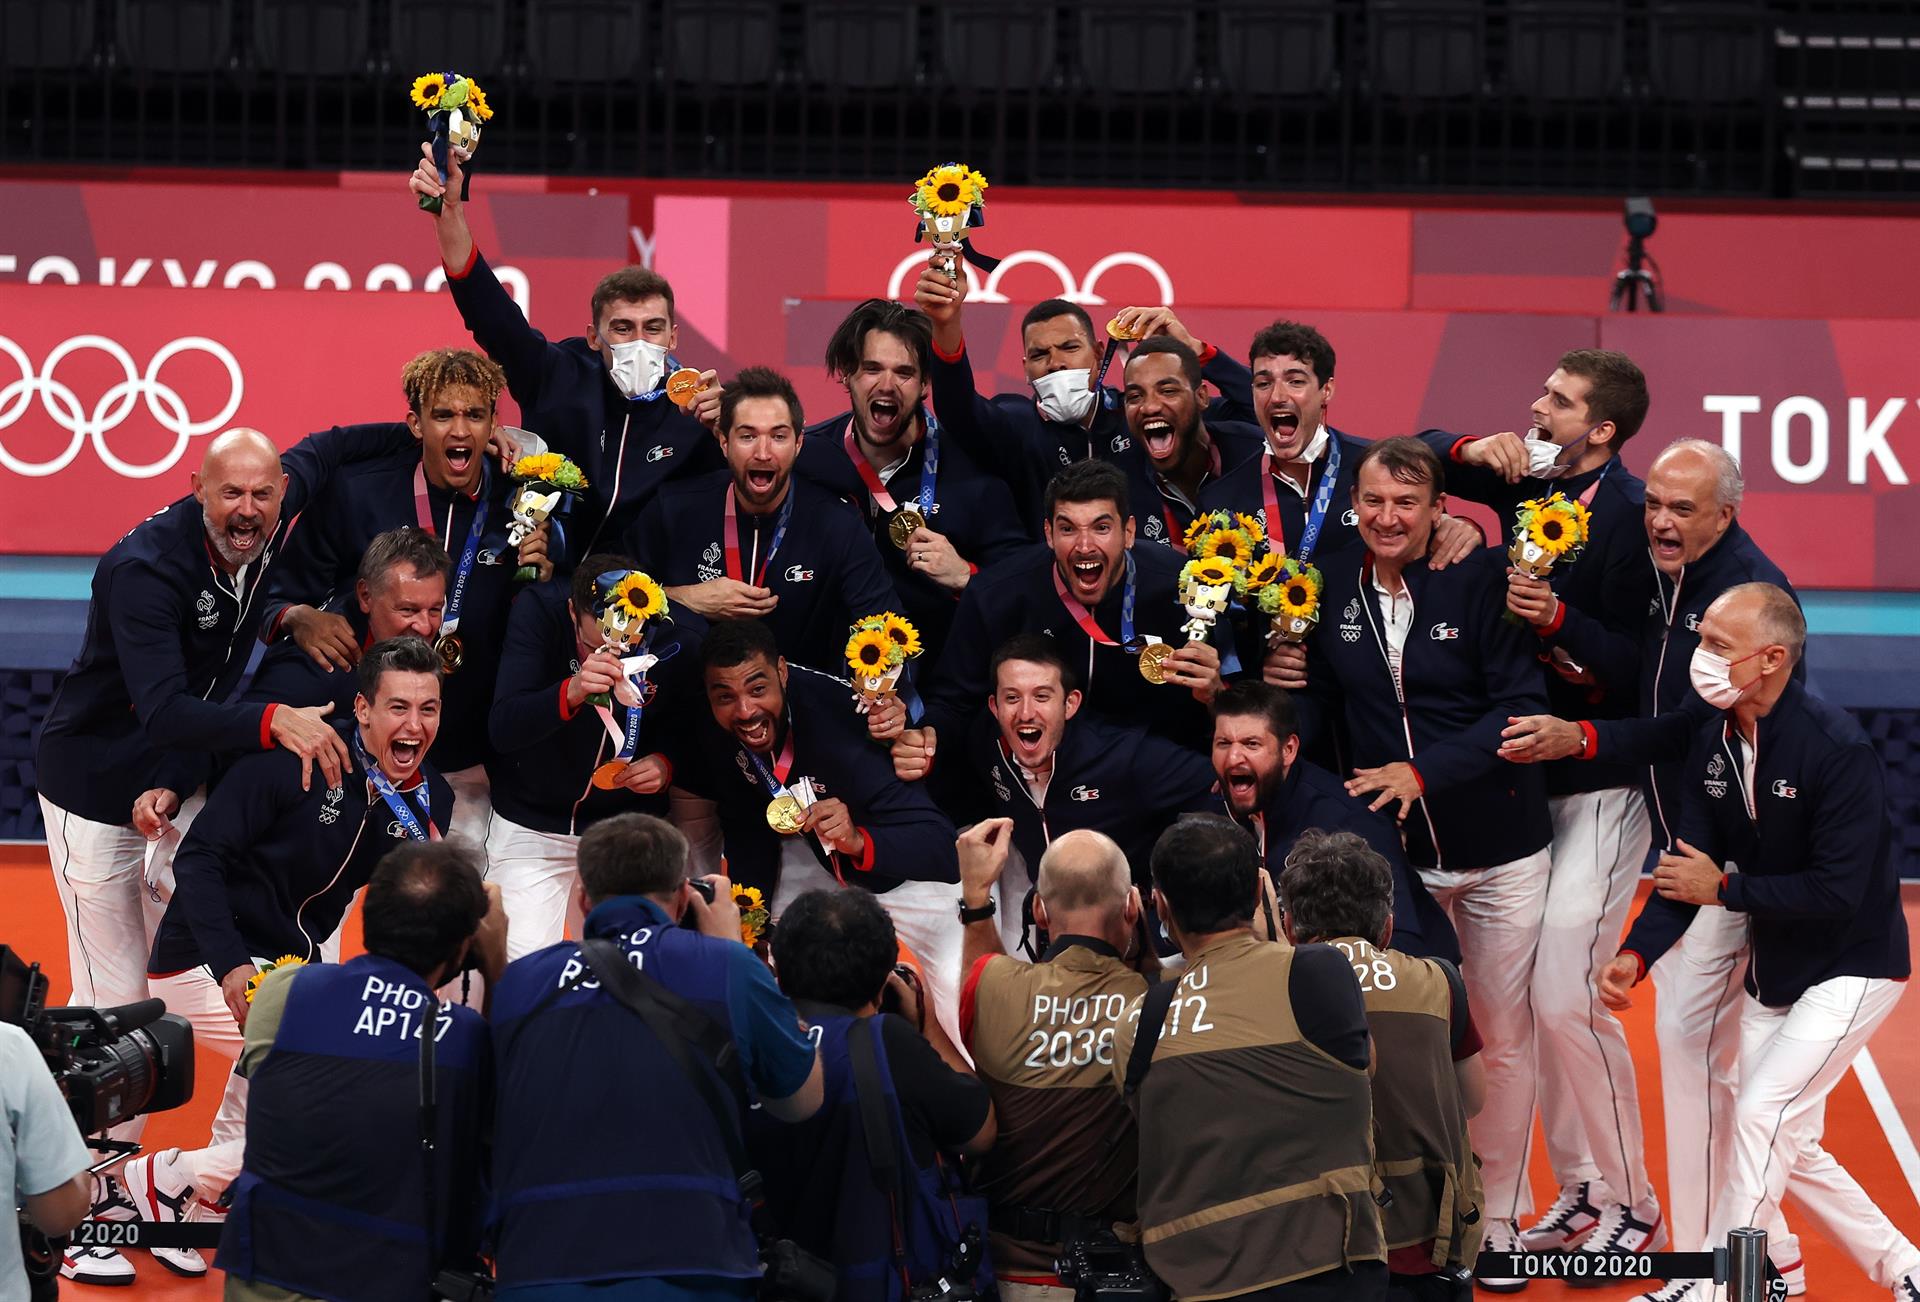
(1268, 789)
(754, 542)
(1102, 598)
(1592, 403)
(1050, 768)
(936, 518)
(1163, 406)
(553, 743)
(268, 870)
(802, 800)
(1425, 673)
(1030, 437)
(600, 400)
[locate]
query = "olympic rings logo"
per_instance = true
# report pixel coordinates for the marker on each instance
(67, 411)
(1073, 292)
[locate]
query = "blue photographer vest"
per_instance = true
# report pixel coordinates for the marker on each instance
(607, 1164)
(931, 1211)
(331, 1201)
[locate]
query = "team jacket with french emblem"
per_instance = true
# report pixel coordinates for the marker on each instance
(1018, 596)
(972, 509)
(626, 447)
(544, 755)
(325, 1205)
(268, 869)
(1670, 712)
(323, 559)
(1109, 777)
(908, 837)
(1811, 840)
(826, 571)
(1311, 799)
(1607, 584)
(1239, 490)
(1008, 433)
(1466, 671)
(168, 638)
(1041, 1035)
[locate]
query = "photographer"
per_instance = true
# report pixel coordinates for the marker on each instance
(43, 1160)
(1068, 1158)
(1258, 1050)
(1427, 1080)
(332, 1201)
(613, 1177)
(888, 1221)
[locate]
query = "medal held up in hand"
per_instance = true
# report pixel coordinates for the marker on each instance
(949, 201)
(545, 481)
(456, 108)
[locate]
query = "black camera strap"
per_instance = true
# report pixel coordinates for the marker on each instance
(429, 1126)
(1153, 1015)
(883, 1155)
(677, 1023)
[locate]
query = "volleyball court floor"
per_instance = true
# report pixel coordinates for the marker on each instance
(1870, 1117)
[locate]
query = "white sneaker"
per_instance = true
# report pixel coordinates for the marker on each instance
(1502, 1236)
(1682, 1290)
(162, 1193)
(1567, 1223)
(104, 1266)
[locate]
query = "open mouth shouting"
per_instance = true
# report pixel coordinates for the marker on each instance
(1029, 743)
(243, 534)
(1241, 785)
(462, 460)
(1162, 442)
(886, 418)
(1283, 424)
(761, 482)
(1087, 576)
(1668, 550)
(403, 756)
(755, 732)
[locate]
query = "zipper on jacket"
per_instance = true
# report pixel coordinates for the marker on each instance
(1659, 666)
(341, 867)
(1368, 604)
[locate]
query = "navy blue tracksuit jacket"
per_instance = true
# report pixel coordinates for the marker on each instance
(627, 447)
(169, 634)
(1465, 670)
(1811, 840)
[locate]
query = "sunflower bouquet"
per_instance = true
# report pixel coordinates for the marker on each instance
(949, 199)
(285, 960)
(545, 481)
(1235, 537)
(1207, 588)
(878, 648)
(628, 602)
(455, 107)
(1288, 593)
(754, 914)
(1547, 531)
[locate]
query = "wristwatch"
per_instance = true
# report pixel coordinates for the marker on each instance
(980, 914)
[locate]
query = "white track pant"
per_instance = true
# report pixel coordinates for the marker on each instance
(472, 808)
(1589, 1105)
(536, 873)
(1497, 913)
(196, 996)
(1790, 1060)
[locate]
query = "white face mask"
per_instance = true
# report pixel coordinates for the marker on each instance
(1548, 460)
(1712, 677)
(1065, 396)
(638, 366)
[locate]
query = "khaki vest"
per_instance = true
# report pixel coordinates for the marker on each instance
(1044, 1042)
(1256, 1148)
(1420, 1141)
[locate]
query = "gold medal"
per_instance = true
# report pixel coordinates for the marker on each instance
(451, 653)
(1152, 657)
(785, 815)
(683, 386)
(903, 525)
(607, 776)
(1117, 331)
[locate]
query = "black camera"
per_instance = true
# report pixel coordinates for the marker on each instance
(1100, 1266)
(792, 1274)
(111, 1064)
(956, 1283)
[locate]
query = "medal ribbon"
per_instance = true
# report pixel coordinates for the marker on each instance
(929, 469)
(1316, 514)
(731, 530)
(628, 740)
(457, 590)
(1084, 617)
(398, 803)
(672, 365)
(775, 780)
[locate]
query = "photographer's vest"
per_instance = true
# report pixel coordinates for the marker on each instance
(607, 1163)
(1256, 1147)
(1420, 1142)
(1043, 1041)
(924, 1208)
(331, 1200)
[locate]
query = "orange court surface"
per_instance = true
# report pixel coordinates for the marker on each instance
(1874, 1145)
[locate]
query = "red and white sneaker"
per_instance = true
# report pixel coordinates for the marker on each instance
(1567, 1224)
(102, 1266)
(1624, 1229)
(162, 1192)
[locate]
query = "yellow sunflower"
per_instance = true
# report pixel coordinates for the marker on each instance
(477, 106)
(1264, 572)
(1197, 530)
(427, 90)
(949, 190)
(870, 652)
(1212, 571)
(1230, 545)
(749, 898)
(902, 631)
(1556, 532)
(1299, 598)
(642, 597)
(285, 960)
(537, 467)
(1250, 526)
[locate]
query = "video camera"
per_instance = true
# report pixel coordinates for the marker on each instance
(1098, 1267)
(112, 1064)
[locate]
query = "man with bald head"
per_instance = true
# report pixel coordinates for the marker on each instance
(174, 617)
(1041, 1035)
(1782, 819)
(1699, 551)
